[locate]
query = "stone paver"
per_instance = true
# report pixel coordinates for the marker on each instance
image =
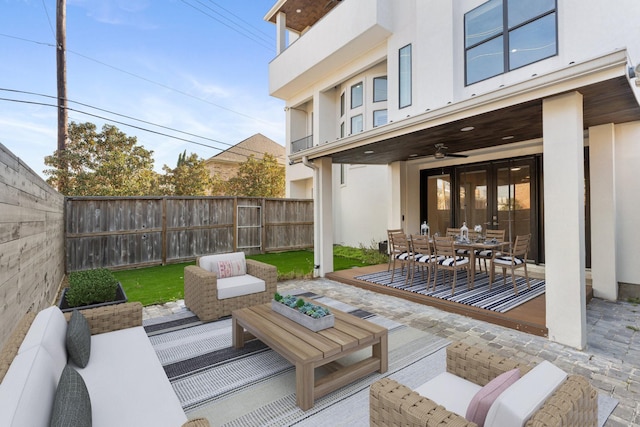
(611, 360)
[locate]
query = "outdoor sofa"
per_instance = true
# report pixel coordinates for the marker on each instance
(221, 283)
(537, 396)
(121, 384)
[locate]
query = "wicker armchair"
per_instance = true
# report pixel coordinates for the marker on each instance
(574, 403)
(201, 291)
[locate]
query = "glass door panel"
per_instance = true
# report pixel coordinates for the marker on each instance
(514, 200)
(473, 198)
(439, 203)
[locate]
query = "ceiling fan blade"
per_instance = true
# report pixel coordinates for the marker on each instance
(462, 156)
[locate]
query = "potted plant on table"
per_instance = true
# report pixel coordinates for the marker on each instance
(311, 316)
(91, 288)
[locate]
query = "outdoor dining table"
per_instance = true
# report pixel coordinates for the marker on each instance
(473, 246)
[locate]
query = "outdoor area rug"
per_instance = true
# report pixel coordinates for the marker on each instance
(500, 298)
(255, 386)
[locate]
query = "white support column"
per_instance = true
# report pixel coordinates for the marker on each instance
(396, 180)
(563, 147)
(603, 211)
(324, 222)
(281, 32)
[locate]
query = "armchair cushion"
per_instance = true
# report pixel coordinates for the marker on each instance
(482, 401)
(524, 397)
(451, 391)
(49, 330)
(233, 264)
(237, 286)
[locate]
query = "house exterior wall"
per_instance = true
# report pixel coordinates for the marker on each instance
(587, 29)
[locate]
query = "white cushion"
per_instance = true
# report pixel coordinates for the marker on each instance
(127, 384)
(237, 286)
(452, 392)
(210, 262)
(49, 329)
(507, 260)
(28, 389)
(519, 402)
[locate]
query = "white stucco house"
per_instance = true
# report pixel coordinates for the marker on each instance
(502, 113)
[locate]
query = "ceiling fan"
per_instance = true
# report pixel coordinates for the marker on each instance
(441, 152)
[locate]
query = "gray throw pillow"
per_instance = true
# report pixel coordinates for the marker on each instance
(71, 405)
(78, 339)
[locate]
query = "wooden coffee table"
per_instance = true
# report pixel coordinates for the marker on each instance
(308, 350)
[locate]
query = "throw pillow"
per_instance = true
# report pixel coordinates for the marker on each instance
(482, 401)
(71, 404)
(79, 339)
(230, 268)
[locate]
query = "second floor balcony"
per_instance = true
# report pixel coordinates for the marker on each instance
(348, 30)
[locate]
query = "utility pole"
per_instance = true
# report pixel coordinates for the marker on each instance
(61, 68)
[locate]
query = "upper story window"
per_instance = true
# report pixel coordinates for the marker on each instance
(357, 95)
(342, 104)
(404, 76)
(379, 89)
(502, 35)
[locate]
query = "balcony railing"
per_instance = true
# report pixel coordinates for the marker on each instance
(302, 144)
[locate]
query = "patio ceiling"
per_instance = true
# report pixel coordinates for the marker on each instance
(301, 13)
(610, 101)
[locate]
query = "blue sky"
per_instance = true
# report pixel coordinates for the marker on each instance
(183, 64)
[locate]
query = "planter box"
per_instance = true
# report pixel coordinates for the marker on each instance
(121, 297)
(302, 319)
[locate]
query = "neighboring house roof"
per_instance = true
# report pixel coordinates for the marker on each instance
(256, 145)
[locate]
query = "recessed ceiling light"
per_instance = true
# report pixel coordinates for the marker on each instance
(298, 10)
(413, 155)
(516, 168)
(467, 129)
(368, 152)
(508, 137)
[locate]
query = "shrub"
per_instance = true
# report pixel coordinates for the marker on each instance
(91, 287)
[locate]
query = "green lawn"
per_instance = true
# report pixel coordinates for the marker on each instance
(157, 285)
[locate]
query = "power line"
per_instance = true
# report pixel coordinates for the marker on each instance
(140, 77)
(132, 125)
(247, 35)
(269, 36)
(53, 32)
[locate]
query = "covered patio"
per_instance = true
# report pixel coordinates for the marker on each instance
(553, 118)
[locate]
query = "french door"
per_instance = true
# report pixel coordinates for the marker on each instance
(496, 195)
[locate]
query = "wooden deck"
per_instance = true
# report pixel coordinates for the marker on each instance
(528, 317)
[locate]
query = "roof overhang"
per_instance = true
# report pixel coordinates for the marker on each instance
(507, 115)
(301, 14)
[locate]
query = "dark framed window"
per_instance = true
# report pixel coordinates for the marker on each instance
(357, 95)
(379, 89)
(404, 76)
(503, 35)
(342, 104)
(379, 118)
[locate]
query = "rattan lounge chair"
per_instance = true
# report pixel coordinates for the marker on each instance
(574, 403)
(201, 290)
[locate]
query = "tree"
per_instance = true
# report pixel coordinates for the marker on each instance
(190, 177)
(108, 163)
(258, 178)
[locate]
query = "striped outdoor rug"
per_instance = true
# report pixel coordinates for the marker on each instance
(500, 298)
(255, 386)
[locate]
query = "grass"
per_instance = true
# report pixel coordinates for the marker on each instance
(160, 284)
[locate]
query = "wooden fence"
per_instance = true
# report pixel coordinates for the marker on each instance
(125, 232)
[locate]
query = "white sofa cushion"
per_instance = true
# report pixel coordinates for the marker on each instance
(450, 391)
(240, 285)
(28, 389)
(519, 402)
(49, 329)
(127, 384)
(235, 260)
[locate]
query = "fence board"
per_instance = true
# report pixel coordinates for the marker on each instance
(127, 232)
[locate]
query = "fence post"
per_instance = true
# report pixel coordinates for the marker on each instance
(235, 224)
(165, 243)
(263, 221)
